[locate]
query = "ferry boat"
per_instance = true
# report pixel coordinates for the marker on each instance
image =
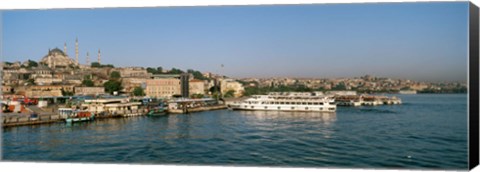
(70, 115)
(80, 116)
(306, 102)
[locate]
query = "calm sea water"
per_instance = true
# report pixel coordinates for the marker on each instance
(427, 131)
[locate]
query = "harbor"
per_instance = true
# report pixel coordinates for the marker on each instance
(36, 112)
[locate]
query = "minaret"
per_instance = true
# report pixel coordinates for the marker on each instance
(99, 56)
(76, 51)
(88, 59)
(65, 48)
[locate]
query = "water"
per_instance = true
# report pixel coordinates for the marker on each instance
(427, 131)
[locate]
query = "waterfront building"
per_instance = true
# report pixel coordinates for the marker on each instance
(163, 87)
(184, 82)
(196, 86)
(129, 84)
(111, 105)
(89, 91)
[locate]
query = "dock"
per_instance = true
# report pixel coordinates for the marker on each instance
(196, 109)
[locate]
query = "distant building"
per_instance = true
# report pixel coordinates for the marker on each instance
(56, 58)
(230, 84)
(196, 87)
(162, 87)
(184, 81)
(137, 72)
(342, 93)
(89, 91)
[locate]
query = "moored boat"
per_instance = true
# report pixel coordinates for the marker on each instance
(80, 116)
(307, 102)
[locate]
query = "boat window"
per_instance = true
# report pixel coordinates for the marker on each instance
(321, 103)
(304, 103)
(278, 107)
(331, 108)
(252, 107)
(293, 108)
(282, 103)
(266, 107)
(315, 103)
(309, 103)
(287, 103)
(306, 108)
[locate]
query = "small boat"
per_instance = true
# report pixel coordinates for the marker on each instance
(157, 111)
(80, 116)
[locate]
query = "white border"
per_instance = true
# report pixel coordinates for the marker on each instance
(63, 4)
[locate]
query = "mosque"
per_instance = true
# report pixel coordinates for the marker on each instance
(57, 58)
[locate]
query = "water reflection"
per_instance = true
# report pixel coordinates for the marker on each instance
(326, 118)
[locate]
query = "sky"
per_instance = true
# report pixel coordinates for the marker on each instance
(418, 41)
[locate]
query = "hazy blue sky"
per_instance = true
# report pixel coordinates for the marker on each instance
(420, 41)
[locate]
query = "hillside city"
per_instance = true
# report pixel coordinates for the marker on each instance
(56, 74)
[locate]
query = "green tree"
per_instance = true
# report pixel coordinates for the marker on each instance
(229, 93)
(159, 70)
(138, 91)
(32, 63)
(115, 75)
(197, 74)
(112, 85)
(151, 70)
(95, 64)
(175, 71)
(87, 83)
(31, 81)
(197, 96)
(66, 93)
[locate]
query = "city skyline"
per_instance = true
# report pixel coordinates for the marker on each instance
(418, 41)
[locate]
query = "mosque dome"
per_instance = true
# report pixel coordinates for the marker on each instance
(57, 58)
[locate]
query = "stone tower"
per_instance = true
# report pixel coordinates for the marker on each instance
(99, 56)
(76, 51)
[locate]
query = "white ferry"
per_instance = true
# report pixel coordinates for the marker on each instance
(310, 102)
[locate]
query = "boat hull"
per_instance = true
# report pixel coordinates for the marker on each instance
(285, 108)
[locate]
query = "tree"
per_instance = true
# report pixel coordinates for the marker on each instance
(95, 64)
(138, 91)
(87, 83)
(197, 74)
(31, 81)
(112, 85)
(159, 70)
(175, 71)
(66, 93)
(229, 93)
(115, 75)
(32, 63)
(197, 96)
